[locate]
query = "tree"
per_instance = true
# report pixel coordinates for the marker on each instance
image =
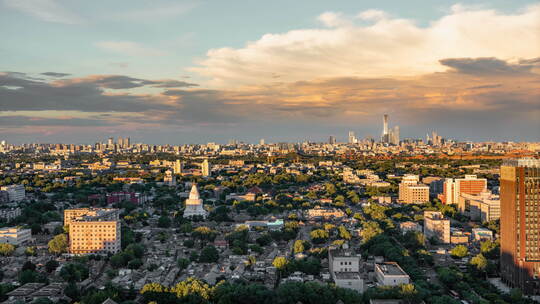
(30, 251)
(6, 249)
(183, 263)
(58, 244)
(51, 265)
(74, 272)
(135, 264)
(480, 262)
(280, 262)
(164, 222)
(298, 246)
(460, 251)
(72, 291)
(370, 230)
(319, 236)
(209, 254)
(344, 233)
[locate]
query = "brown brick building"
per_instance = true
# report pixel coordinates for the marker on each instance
(520, 224)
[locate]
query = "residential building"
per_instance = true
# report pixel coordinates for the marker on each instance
(15, 235)
(453, 188)
(79, 214)
(325, 213)
(178, 167)
(96, 231)
(205, 168)
(436, 226)
(520, 228)
(483, 207)
(481, 234)
(412, 192)
(410, 226)
(344, 266)
(10, 213)
(390, 274)
(16, 193)
(169, 179)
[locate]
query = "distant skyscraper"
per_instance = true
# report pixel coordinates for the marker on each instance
(332, 139)
(205, 168)
(520, 228)
(120, 142)
(385, 124)
(261, 142)
(352, 137)
(127, 143)
(394, 136)
(110, 142)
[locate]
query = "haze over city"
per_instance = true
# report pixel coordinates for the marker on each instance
(197, 71)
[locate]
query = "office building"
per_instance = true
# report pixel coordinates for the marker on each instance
(16, 193)
(390, 274)
(178, 167)
(352, 137)
(520, 224)
(205, 168)
(344, 266)
(15, 235)
(95, 231)
(261, 142)
(483, 207)
(169, 179)
(412, 192)
(436, 226)
(10, 213)
(194, 204)
(332, 140)
(453, 188)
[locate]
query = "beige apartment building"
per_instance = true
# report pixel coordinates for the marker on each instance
(484, 207)
(413, 192)
(94, 231)
(437, 226)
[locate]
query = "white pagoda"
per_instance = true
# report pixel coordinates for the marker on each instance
(194, 204)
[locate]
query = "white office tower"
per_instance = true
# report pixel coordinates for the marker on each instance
(205, 168)
(194, 205)
(178, 167)
(352, 137)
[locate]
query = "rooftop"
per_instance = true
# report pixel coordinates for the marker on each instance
(391, 268)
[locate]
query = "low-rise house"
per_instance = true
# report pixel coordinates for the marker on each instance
(15, 235)
(390, 274)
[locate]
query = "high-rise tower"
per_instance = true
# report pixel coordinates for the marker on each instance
(520, 224)
(385, 124)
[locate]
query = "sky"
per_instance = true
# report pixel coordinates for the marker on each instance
(179, 72)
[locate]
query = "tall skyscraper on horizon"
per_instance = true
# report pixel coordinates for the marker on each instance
(385, 125)
(332, 139)
(352, 137)
(520, 224)
(389, 136)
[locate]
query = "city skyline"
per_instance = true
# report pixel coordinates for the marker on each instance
(172, 73)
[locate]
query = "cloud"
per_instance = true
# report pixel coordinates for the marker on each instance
(55, 74)
(123, 82)
(487, 66)
(157, 11)
(46, 10)
(386, 46)
(17, 121)
(129, 48)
